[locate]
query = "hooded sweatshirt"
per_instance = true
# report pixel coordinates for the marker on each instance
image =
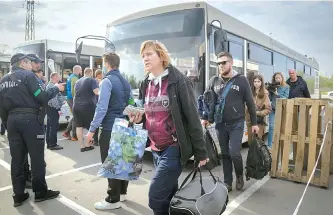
(239, 94)
(159, 121)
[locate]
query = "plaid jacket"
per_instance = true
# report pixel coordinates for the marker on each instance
(58, 100)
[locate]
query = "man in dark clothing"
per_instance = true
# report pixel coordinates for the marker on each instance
(54, 106)
(21, 99)
(230, 119)
(298, 86)
(36, 62)
(84, 104)
(114, 96)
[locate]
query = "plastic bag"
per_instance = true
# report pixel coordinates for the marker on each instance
(125, 154)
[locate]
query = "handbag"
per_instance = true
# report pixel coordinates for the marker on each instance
(125, 154)
(201, 196)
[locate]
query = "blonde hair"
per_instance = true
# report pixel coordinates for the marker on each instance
(282, 76)
(160, 49)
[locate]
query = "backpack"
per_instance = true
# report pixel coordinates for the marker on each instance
(258, 162)
(214, 159)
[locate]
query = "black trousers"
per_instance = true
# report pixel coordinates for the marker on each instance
(115, 187)
(26, 135)
(52, 126)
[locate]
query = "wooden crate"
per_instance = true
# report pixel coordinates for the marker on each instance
(298, 135)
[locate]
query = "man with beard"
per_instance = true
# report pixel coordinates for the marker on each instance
(230, 116)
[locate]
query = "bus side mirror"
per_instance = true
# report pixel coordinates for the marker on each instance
(78, 52)
(220, 41)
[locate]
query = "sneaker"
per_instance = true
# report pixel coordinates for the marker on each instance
(49, 194)
(18, 200)
(240, 182)
(56, 147)
(74, 139)
(104, 205)
(123, 198)
(66, 135)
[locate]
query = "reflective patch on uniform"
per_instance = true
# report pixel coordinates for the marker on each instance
(37, 92)
(41, 136)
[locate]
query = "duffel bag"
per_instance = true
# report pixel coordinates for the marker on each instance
(201, 196)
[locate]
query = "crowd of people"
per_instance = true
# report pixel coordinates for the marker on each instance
(171, 117)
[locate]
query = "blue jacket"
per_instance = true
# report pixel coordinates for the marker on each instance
(114, 95)
(69, 85)
(282, 92)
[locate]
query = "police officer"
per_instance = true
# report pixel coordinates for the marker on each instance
(21, 97)
(35, 67)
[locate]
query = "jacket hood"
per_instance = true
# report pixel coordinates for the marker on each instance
(299, 78)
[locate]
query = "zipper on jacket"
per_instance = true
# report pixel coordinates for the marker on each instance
(235, 109)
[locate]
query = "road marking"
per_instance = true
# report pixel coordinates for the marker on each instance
(5, 164)
(72, 170)
(74, 206)
(245, 195)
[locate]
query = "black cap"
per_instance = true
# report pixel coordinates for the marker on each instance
(19, 56)
(35, 58)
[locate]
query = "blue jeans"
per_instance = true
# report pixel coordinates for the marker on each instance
(230, 140)
(271, 128)
(164, 183)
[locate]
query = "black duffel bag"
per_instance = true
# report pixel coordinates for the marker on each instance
(201, 196)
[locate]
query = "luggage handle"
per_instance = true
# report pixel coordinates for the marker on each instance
(194, 172)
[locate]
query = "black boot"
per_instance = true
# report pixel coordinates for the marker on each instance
(19, 199)
(49, 194)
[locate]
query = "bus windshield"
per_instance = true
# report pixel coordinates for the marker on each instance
(182, 32)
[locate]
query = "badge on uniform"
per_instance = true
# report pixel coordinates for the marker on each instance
(40, 136)
(165, 103)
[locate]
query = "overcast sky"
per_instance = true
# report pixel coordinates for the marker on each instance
(306, 27)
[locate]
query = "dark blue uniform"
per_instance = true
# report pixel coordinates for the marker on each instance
(21, 99)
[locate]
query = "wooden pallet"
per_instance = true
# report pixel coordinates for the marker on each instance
(298, 135)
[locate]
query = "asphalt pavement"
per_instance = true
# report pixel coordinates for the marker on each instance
(74, 173)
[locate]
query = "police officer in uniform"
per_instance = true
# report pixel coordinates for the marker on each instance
(35, 68)
(21, 98)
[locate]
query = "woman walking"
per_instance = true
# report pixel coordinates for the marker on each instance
(281, 92)
(174, 128)
(262, 104)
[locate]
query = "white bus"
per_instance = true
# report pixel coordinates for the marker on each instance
(60, 57)
(189, 32)
(4, 64)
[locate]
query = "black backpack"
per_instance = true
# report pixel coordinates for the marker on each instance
(258, 159)
(214, 159)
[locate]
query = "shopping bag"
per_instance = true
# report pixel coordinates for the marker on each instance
(125, 154)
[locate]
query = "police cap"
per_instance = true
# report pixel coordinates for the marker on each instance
(36, 58)
(19, 56)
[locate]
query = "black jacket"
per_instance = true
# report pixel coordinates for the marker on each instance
(183, 107)
(21, 89)
(298, 89)
(240, 93)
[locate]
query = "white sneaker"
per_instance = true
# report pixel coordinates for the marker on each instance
(103, 205)
(123, 197)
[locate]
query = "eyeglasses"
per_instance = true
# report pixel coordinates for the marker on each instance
(222, 63)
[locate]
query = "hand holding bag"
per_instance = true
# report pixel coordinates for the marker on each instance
(201, 196)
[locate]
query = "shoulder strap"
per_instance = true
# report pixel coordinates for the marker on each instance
(225, 92)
